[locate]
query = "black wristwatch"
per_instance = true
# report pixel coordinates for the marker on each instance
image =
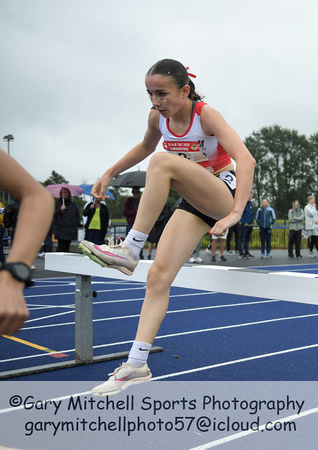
(20, 271)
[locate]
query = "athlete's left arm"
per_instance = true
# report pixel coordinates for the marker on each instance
(213, 123)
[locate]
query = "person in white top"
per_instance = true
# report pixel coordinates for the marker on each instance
(311, 217)
(207, 185)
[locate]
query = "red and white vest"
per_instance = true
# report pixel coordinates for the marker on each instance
(195, 144)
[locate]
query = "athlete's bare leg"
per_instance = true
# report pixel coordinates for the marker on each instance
(180, 236)
(199, 187)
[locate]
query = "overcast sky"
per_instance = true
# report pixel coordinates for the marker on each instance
(72, 72)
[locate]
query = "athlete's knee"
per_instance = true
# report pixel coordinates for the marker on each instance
(160, 161)
(158, 277)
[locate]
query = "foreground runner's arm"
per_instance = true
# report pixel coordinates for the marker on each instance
(35, 217)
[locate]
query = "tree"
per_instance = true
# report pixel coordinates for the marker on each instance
(54, 178)
(284, 166)
(313, 151)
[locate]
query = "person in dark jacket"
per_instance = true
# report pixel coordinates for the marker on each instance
(130, 206)
(97, 221)
(245, 230)
(66, 221)
(2, 256)
(158, 228)
(10, 218)
(130, 210)
(265, 218)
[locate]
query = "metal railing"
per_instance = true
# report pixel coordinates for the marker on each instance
(279, 239)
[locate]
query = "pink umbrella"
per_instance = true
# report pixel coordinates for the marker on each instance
(56, 188)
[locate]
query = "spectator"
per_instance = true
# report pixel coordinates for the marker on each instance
(2, 257)
(97, 221)
(245, 230)
(311, 216)
(232, 230)
(66, 221)
(130, 210)
(195, 257)
(265, 218)
(131, 206)
(156, 232)
(47, 245)
(10, 218)
(296, 216)
(214, 243)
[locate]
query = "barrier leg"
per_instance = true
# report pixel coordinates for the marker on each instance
(83, 319)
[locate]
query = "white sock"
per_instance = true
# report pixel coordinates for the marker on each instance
(135, 240)
(138, 354)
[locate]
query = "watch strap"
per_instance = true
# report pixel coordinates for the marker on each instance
(10, 267)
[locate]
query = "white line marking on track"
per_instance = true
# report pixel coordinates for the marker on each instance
(58, 294)
(229, 363)
(185, 333)
(226, 327)
(48, 317)
(132, 316)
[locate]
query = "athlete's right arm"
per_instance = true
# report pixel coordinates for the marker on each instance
(137, 154)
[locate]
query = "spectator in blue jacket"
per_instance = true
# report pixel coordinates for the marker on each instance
(245, 230)
(265, 218)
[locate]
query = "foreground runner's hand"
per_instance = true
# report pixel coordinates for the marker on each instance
(13, 311)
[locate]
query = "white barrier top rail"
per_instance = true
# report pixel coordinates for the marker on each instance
(289, 286)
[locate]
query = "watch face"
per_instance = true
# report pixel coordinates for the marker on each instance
(19, 270)
(22, 271)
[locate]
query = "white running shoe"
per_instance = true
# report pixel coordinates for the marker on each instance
(192, 260)
(123, 377)
(198, 260)
(114, 256)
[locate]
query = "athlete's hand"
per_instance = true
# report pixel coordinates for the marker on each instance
(99, 188)
(221, 226)
(13, 309)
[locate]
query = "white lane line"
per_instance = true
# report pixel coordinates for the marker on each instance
(237, 361)
(59, 294)
(206, 330)
(132, 316)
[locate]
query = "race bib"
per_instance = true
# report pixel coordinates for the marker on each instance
(229, 179)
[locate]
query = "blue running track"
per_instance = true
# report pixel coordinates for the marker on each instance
(205, 335)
